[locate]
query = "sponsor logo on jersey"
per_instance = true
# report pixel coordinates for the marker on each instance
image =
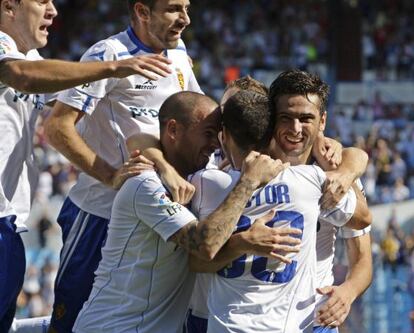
(147, 85)
(142, 112)
(180, 78)
(37, 100)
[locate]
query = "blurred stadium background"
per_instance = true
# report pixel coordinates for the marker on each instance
(364, 49)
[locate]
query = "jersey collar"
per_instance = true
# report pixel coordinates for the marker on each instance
(140, 45)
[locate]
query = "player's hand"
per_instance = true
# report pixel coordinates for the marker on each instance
(136, 164)
(181, 190)
(259, 169)
(335, 310)
(336, 185)
(327, 151)
(150, 66)
(274, 243)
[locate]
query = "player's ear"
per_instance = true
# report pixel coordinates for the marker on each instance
(322, 123)
(142, 11)
(172, 129)
(8, 8)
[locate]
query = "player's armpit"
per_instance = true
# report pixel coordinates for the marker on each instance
(362, 217)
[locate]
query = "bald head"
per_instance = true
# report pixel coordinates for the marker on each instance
(189, 124)
(184, 107)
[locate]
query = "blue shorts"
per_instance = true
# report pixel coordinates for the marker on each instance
(194, 324)
(12, 267)
(83, 236)
(324, 329)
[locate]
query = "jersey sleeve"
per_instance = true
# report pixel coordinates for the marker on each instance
(211, 189)
(8, 49)
(153, 206)
(346, 232)
(342, 212)
(85, 97)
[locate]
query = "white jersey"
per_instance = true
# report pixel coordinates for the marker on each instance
(258, 294)
(118, 108)
(325, 251)
(18, 114)
(143, 283)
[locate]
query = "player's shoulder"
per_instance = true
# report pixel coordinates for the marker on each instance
(214, 178)
(33, 55)
(142, 184)
(8, 47)
(110, 48)
(311, 172)
(179, 51)
(5, 38)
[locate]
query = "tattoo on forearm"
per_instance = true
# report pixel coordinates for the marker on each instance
(213, 232)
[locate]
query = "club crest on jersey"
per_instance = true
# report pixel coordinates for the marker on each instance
(180, 78)
(147, 85)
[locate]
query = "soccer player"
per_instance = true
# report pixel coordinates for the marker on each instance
(198, 312)
(143, 283)
(23, 76)
(334, 308)
(111, 110)
(246, 296)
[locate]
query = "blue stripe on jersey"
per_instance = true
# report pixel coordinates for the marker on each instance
(84, 93)
(86, 104)
(181, 48)
(150, 287)
(99, 55)
(140, 46)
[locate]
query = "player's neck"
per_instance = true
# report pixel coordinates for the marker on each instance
(16, 36)
(143, 36)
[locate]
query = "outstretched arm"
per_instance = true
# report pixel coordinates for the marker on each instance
(340, 298)
(46, 76)
(205, 238)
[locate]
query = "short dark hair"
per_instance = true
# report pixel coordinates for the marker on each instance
(131, 4)
(181, 107)
(296, 82)
(248, 118)
(248, 83)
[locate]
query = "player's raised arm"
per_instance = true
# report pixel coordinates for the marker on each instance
(205, 238)
(46, 76)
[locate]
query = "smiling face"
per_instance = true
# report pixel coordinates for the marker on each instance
(298, 121)
(198, 141)
(30, 20)
(164, 23)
